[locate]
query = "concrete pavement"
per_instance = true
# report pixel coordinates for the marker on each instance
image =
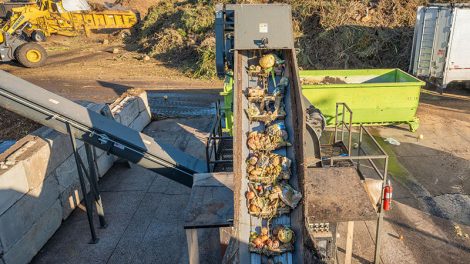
(144, 210)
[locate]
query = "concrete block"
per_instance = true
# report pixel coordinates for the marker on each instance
(69, 183)
(143, 101)
(19, 218)
(37, 164)
(70, 198)
(141, 121)
(67, 173)
(98, 153)
(34, 153)
(59, 145)
(104, 163)
(13, 186)
(127, 111)
(29, 245)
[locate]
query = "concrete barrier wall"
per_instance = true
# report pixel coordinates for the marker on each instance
(39, 185)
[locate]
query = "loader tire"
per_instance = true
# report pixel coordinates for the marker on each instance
(38, 36)
(31, 55)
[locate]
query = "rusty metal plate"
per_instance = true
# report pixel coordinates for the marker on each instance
(336, 195)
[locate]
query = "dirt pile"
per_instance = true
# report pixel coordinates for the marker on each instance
(329, 34)
(14, 126)
(141, 6)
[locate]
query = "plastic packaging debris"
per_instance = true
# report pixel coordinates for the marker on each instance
(392, 141)
(271, 200)
(278, 129)
(281, 87)
(289, 196)
(284, 82)
(269, 195)
(278, 59)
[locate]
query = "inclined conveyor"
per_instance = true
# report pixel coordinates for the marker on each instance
(56, 112)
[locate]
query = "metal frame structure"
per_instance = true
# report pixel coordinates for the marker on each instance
(344, 125)
(92, 178)
(215, 143)
(362, 155)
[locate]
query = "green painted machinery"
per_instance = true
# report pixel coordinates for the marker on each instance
(376, 96)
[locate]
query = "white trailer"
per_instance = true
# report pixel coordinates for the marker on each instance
(441, 44)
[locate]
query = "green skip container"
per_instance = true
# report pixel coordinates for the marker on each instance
(376, 96)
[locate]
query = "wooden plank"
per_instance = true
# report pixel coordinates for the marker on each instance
(211, 201)
(336, 195)
(193, 246)
(210, 250)
(349, 243)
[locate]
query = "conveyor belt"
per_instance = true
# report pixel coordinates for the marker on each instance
(56, 112)
(250, 223)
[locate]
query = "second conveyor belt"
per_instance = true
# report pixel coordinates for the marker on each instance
(56, 112)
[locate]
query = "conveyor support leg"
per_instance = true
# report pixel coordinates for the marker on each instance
(94, 182)
(88, 205)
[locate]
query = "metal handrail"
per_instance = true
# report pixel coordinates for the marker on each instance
(213, 142)
(369, 158)
(343, 126)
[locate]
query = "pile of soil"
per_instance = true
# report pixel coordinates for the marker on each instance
(325, 80)
(330, 34)
(14, 126)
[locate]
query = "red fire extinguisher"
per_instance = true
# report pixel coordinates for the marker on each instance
(388, 196)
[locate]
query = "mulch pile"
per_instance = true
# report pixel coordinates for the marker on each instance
(14, 127)
(329, 34)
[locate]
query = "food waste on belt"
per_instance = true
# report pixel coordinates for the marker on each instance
(269, 194)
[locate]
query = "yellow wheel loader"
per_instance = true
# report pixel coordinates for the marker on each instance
(34, 21)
